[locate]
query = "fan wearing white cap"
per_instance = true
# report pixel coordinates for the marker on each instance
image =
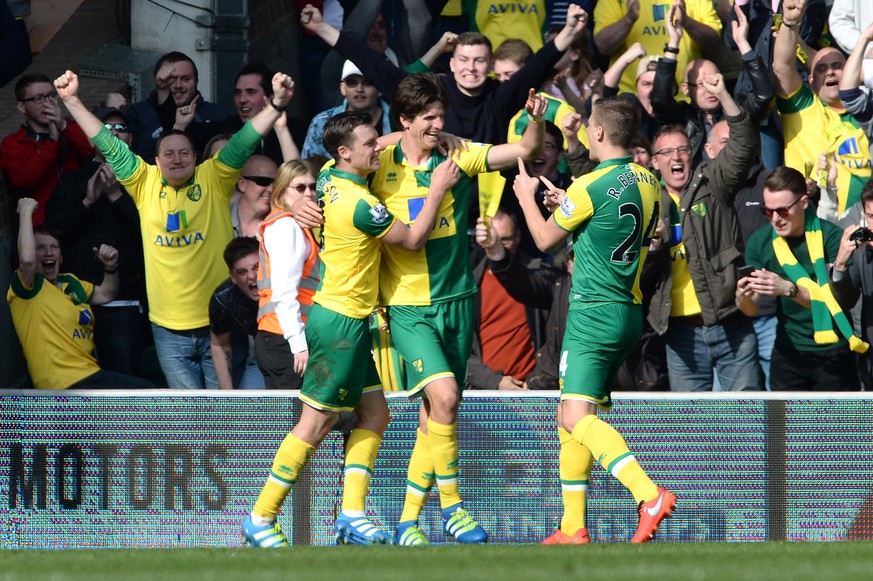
(358, 95)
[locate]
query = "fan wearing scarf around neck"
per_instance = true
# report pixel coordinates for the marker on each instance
(791, 257)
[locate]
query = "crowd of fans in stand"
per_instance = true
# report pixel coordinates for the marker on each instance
(168, 222)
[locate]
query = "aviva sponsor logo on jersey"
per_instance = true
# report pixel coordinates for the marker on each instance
(513, 7)
(850, 154)
(86, 317)
(444, 225)
(176, 221)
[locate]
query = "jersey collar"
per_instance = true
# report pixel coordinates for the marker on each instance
(347, 176)
(615, 161)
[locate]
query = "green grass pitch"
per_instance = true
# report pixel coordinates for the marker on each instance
(843, 561)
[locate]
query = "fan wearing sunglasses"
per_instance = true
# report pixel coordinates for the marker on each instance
(792, 256)
(255, 187)
(289, 273)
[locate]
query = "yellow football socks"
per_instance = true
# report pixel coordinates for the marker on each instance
(575, 470)
(610, 450)
(361, 450)
(444, 449)
(290, 459)
(419, 478)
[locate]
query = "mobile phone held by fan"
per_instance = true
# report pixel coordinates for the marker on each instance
(744, 271)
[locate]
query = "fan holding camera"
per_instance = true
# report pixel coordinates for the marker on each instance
(852, 275)
(790, 258)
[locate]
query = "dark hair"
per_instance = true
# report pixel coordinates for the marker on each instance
(640, 140)
(176, 57)
(416, 93)
(27, 80)
(166, 134)
(239, 248)
(620, 119)
(471, 39)
(207, 149)
(669, 129)
(555, 132)
(258, 68)
(867, 192)
(786, 178)
(341, 129)
(47, 230)
(513, 49)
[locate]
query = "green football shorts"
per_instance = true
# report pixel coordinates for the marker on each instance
(597, 341)
(341, 365)
(435, 341)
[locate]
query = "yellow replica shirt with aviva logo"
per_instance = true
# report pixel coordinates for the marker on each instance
(55, 325)
(354, 220)
(441, 270)
(500, 21)
(184, 231)
(812, 128)
(651, 32)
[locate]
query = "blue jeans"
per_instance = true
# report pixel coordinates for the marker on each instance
(185, 358)
(695, 354)
(765, 329)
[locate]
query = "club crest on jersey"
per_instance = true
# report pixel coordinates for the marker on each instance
(379, 213)
(567, 207)
(418, 365)
(194, 194)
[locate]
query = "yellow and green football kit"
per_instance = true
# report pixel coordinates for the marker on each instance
(55, 324)
(341, 366)
(434, 282)
(812, 128)
(611, 214)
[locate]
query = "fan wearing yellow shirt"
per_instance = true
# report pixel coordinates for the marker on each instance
(341, 373)
(183, 209)
(813, 117)
(620, 23)
(429, 294)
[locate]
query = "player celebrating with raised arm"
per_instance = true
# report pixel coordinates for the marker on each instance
(429, 294)
(611, 214)
(341, 374)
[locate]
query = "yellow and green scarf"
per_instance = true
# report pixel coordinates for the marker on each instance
(825, 309)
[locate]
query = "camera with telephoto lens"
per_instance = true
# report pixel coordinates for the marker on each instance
(862, 234)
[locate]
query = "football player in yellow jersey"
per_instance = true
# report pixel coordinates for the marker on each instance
(341, 374)
(429, 294)
(813, 117)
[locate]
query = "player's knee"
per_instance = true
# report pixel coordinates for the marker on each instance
(374, 420)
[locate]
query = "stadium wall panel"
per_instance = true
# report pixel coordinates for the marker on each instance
(172, 468)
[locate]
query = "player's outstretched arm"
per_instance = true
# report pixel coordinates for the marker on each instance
(444, 176)
(546, 233)
(532, 140)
